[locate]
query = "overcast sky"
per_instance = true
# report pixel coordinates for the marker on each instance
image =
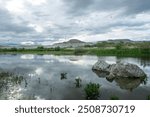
(46, 21)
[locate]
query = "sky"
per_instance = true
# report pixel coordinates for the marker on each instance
(49, 21)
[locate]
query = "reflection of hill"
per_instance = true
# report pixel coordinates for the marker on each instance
(124, 83)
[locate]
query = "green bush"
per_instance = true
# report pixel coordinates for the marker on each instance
(145, 51)
(92, 91)
(14, 49)
(118, 46)
(57, 48)
(40, 48)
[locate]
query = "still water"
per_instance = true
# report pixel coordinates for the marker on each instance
(39, 77)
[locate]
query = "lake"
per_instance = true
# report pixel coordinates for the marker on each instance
(39, 77)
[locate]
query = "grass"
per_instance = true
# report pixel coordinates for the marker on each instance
(121, 52)
(79, 51)
(148, 97)
(78, 82)
(63, 76)
(92, 91)
(128, 52)
(7, 79)
(114, 97)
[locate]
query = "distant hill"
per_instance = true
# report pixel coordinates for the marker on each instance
(120, 40)
(117, 41)
(74, 41)
(70, 43)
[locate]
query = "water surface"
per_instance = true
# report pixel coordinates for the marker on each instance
(39, 77)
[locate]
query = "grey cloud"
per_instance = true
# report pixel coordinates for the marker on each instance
(137, 6)
(127, 24)
(8, 25)
(98, 29)
(78, 7)
(73, 18)
(64, 30)
(82, 7)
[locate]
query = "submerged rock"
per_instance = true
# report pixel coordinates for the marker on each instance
(118, 70)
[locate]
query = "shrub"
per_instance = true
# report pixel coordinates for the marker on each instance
(40, 47)
(119, 46)
(57, 48)
(145, 51)
(22, 49)
(92, 91)
(14, 49)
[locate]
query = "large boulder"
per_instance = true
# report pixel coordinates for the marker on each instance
(128, 70)
(118, 70)
(101, 66)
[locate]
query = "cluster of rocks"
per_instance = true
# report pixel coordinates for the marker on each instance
(118, 70)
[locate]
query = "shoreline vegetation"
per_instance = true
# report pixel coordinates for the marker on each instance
(98, 49)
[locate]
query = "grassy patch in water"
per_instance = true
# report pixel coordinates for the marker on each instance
(63, 76)
(92, 91)
(78, 82)
(114, 97)
(148, 97)
(8, 79)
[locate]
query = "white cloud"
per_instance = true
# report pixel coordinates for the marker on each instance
(36, 27)
(37, 2)
(15, 6)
